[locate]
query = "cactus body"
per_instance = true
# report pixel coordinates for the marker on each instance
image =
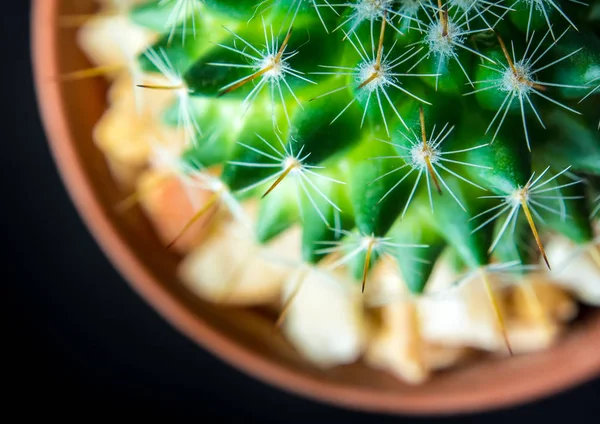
(399, 128)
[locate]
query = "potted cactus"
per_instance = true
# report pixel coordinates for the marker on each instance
(373, 152)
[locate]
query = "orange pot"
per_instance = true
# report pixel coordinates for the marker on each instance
(245, 338)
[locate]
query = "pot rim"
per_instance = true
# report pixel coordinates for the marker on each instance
(71, 168)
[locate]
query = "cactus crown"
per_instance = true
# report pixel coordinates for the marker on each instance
(387, 127)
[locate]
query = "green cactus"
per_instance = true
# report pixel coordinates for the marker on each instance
(390, 127)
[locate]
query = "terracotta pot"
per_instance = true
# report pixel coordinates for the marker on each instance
(245, 338)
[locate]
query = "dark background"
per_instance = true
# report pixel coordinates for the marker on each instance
(81, 343)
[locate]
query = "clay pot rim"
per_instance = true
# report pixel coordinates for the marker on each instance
(51, 103)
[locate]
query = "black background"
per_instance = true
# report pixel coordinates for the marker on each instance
(81, 343)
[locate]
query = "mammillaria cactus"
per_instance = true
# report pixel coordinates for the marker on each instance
(396, 130)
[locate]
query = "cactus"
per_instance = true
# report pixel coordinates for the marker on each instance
(398, 128)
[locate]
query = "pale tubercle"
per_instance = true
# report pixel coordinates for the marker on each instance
(113, 43)
(538, 311)
(396, 345)
(231, 267)
(577, 269)
(460, 315)
(124, 134)
(132, 133)
(113, 40)
(325, 322)
(538, 300)
(387, 285)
